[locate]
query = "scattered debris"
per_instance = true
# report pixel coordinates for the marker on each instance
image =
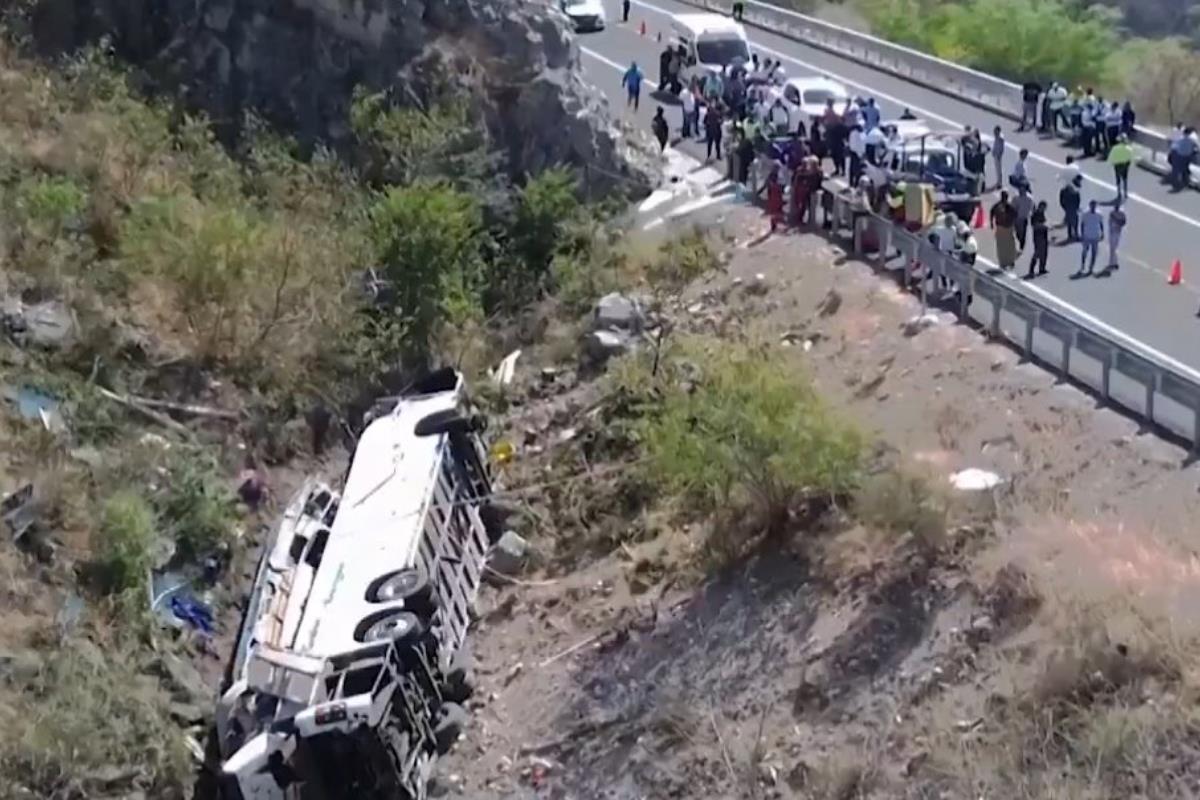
(600, 346)
(617, 312)
(919, 323)
(506, 370)
(830, 303)
(49, 325)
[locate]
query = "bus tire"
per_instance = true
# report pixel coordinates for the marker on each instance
(410, 586)
(397, 624)
(459, 682)
(449, 421)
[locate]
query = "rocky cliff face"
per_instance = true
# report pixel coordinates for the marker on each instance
(297, 63)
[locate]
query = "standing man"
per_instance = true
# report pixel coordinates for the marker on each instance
(1024, 207)
(687, 100)
(1058, 101)
(1087, 122)
(1004, 219)
(712, 131)
(1020, 175)
(1091, 234)
(998, 147)
(1116, 225)
(1120, 157)
(1041, 241)
(1069, 199)
(778, 118)
(739, 10)
(1183, 151)
(1030, 93)
(625, 10)
(857, 144)
(871, 115)
(1112, 124)
(659, 127)
(632, 81)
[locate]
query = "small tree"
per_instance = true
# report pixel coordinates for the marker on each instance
(428, 239)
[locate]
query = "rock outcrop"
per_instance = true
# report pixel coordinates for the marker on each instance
(297, 63)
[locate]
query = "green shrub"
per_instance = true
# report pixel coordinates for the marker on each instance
(86, 721)
(196, 507)
(128, 534)
(1015, 39)
(49, 204)
(681, 260)
(738, 432)
(428, 239)
(546, 208)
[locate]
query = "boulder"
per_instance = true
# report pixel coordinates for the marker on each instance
(617, 312)
(509, 554)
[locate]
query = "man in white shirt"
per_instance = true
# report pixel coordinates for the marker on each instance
(1070, 172)
(857, 144)
(778, 118)
(876, 143)
(1058, 100)
(687, 99)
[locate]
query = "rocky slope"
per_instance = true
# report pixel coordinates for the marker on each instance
(297, 62)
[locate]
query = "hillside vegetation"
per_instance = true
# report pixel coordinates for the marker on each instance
(218, 305)
(1143, 51)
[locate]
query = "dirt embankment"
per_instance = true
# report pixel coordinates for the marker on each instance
(1020, 650)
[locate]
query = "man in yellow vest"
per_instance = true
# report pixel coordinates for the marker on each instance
(1120, 157)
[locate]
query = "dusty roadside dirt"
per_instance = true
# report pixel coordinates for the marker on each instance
(838, 664)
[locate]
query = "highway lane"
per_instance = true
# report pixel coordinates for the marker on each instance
(1163, 226)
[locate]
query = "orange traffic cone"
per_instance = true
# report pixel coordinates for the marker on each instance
(977, 220)
(642, 28)
(1176, 276)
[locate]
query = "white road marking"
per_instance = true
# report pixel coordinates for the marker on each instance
(619, 67)
(945, 120)
(1078, 313)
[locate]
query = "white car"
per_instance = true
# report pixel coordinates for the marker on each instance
(806, 98)
(586, 15)
(907, 128)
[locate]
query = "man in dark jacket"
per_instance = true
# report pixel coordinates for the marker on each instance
(1030, 94)
(1069, 199)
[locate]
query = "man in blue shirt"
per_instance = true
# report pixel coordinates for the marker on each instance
(633, 85)
(1091, 233)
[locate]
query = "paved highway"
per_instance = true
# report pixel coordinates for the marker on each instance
(1163, 226)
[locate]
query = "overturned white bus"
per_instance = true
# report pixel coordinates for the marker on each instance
(351, 662)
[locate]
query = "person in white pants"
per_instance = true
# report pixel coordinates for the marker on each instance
(1116, 224)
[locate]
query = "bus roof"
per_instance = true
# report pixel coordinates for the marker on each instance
(378, 525)
(709, 24)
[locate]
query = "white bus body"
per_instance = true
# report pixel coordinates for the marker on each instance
(346, 662)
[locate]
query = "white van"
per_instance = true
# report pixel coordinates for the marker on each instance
(711, 42)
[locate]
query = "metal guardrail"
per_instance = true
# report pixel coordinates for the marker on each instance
(1054, 336)
(972, 86)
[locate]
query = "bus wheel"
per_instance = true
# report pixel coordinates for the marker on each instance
(411, 586)
(395, 624)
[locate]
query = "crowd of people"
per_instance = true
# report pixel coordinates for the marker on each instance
(782, 157)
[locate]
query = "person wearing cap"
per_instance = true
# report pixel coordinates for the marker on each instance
(1120, 157)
